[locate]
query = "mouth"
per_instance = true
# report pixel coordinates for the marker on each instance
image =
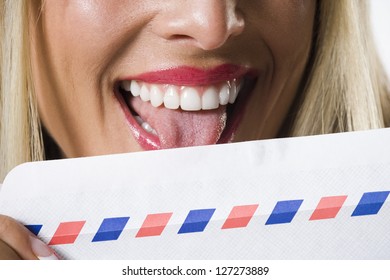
(184, 106)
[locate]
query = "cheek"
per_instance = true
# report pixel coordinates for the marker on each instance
(87, 37)
(286, 27)
(74, 28)
(80, 43)
(291, 36)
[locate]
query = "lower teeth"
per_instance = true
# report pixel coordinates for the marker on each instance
(147, 127)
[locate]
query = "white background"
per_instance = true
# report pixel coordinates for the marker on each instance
(380, 15)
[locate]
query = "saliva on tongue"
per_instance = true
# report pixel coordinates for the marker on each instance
(179, 128)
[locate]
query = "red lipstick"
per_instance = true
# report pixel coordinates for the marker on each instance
(189, 76)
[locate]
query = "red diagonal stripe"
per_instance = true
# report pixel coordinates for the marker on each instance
(154, 224)
(328, 207)
(240, 216)
(67, 233)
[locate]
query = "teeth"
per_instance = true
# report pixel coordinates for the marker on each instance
(147, 127)
(156, 96)
(145, 95)
(134, 88)
(210, 99)
(185, 97)
(233, 92)
(126, 85)
(224, 94)
(190, 100)
(139, 120)
(171, 98)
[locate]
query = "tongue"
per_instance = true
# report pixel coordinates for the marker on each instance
(177, 128)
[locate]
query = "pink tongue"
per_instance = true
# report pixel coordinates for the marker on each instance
(177, 128)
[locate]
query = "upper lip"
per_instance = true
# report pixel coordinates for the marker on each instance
(191, 76)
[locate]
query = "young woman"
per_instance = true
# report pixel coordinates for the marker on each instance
(84, 78)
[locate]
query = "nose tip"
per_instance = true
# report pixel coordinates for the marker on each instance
(207, 24)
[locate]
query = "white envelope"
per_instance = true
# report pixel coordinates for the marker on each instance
(317, 197)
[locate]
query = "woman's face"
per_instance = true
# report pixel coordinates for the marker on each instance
(122, 76)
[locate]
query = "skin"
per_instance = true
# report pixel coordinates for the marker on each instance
(80, 48)
(14, 240)
(7, 253)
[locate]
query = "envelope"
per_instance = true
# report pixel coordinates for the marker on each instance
(315, 197)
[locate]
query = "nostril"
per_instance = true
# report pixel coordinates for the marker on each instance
(179, 37)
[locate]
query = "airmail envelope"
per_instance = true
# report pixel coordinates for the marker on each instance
(317, 197)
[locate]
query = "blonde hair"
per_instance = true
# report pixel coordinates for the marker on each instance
(345, 88)
(20, 132)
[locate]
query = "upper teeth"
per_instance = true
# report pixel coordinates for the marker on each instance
(186, 97)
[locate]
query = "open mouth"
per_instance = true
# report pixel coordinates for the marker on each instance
(178, 109)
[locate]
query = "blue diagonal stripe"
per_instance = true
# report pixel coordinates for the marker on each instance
(284, 212)
(35, 229)
(196, 220)
(110, 229)
(370, 203)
